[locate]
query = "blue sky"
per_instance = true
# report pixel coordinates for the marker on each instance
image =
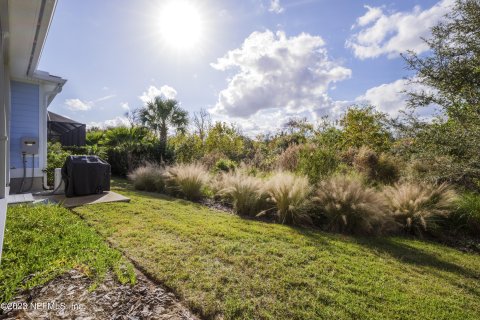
(253, 62)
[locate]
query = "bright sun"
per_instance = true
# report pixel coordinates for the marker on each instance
(180, 24)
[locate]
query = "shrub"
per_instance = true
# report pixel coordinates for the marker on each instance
(466, 217)
(187, 148)
(95, 150)
(365, 161)
(349, 206)
(56, 157)
(364, 125)
(377, 168)
(288, 192)
(347, 156)
(317, 163)
(210, 159)
(245, 192)
(250, 170)
(288, 159)
(388, 170)
(148, 177)
(186, 180)
(224, 165)
(417, 206)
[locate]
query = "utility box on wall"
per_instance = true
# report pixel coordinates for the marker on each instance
(29, 145)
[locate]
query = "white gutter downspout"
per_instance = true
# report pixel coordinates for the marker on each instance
(48, 95)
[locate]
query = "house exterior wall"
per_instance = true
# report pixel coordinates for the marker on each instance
(4, 106)
(25, 93)
(3, 117)
(24, 122)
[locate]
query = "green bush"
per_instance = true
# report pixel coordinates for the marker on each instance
(95, 150)
(381, 168)
(365, 126)
(351, 207)
(210, 159)
(123, 160)
(224, 165)
(388, 169)
(289, 193)
(317, 163)
(466, 217)
(227, 139)
(130, 147)
(417, 207)
(187, 148)
(56, 157)
(186, 180)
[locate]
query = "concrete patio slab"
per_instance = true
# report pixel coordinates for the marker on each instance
(105, 197)
(20, 198)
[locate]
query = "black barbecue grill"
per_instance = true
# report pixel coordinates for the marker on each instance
(84, 175)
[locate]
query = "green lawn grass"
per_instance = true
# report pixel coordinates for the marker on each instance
(222, 265)
(42, 242)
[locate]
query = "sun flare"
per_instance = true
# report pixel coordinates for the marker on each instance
(181, 25)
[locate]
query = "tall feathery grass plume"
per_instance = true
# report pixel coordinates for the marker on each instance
(186, 180)
(245, 192)
(351, 207)
(149, 177)
(417, 207)
(289, 193)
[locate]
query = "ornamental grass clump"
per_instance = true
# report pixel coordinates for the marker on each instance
(148, 177)
(351, 207)
(289, 194)
(186, 180)
(245, 192)
(417, 207)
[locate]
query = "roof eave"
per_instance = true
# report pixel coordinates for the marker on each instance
(47, 10)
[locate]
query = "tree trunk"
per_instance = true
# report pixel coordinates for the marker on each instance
(163, 141)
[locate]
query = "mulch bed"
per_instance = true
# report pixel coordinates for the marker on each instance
(69, 297)
(461, 243)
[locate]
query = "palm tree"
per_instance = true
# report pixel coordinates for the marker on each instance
(160, 114)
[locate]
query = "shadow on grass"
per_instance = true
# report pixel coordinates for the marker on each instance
(399, 251)
(414, 256)
(123, 185)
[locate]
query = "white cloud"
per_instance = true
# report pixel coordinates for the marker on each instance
(78, 105)
(116, 122)
(389, 98)
(373, 13)
(125, 106)
(83, 105)
(278, 74)
(383, 33)
(105, 98)
(275, 6)
(165, 92)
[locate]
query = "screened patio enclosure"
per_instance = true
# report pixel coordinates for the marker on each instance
(66, 131)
